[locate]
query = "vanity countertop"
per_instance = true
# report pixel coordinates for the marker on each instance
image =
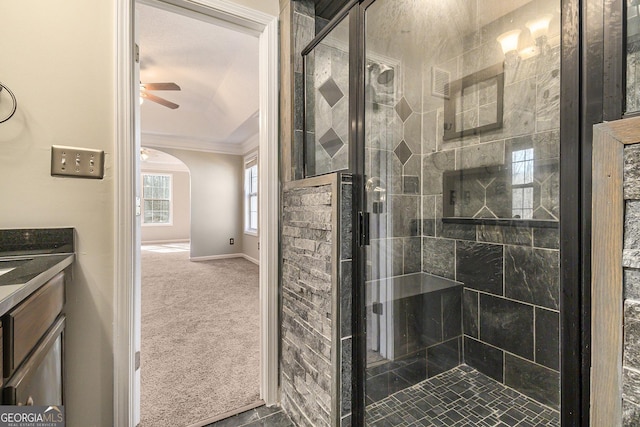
(28, 259)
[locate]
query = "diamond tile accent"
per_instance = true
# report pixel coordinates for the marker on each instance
(331, 92)
(331, 142)
(485, 212)
(403, 152)
(460, 397)
(403, 109)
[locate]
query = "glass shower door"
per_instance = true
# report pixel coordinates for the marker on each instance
(461, 177)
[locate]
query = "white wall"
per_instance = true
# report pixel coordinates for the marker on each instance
(58, 58)
(267, 6)
(250, 246)
(181, 215)
(216, 201)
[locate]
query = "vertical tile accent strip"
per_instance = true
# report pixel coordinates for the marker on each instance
(346, 303)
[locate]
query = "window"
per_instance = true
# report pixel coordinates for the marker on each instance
(522, 183)
(251, 196)
(156, 196)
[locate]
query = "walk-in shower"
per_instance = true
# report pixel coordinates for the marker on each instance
(462, 275)
(456, 171)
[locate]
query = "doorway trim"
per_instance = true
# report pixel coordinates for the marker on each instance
(607, 290)
(126, 266)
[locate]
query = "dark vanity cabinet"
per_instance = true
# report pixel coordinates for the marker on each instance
(32, 347)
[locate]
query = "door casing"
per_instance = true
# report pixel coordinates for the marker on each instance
(127, 145)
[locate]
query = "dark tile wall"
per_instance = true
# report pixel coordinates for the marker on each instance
(531, 379)
(393, 154)
(510, 272)
(327, 101)
(509, 303)
(631, 264)
(507, 324)
(393, 157)
(346, 269)
(480, 266)
(303, 28)
(427, 333)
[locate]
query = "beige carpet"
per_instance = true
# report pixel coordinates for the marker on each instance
(200, 338)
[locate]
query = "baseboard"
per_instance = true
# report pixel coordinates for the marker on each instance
(224, 256)
(214, 257)
(164, 242)
(253, 260)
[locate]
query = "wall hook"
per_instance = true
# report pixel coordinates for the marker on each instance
(13, 99)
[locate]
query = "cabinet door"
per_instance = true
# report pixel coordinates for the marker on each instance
(28, 322)
(38, 381)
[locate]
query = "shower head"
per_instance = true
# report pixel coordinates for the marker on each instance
(386, 75)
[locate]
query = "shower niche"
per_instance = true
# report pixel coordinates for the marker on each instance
(521, 191)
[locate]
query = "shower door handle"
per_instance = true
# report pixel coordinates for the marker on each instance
(363, 231)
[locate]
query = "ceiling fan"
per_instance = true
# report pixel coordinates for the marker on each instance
(144, 94)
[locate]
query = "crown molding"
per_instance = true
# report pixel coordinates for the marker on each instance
(179, 142)
(251, 144)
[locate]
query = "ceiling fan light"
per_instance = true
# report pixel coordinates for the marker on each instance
(146, 87)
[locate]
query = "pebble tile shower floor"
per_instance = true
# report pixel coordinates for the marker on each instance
(460, 397)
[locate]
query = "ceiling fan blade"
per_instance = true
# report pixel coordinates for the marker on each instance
(159, 100)
(161, 86)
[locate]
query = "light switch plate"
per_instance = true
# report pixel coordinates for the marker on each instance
(78, 162)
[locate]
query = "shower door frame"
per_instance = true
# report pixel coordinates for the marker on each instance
(574, 203)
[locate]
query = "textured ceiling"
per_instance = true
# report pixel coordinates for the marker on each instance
(217, 69)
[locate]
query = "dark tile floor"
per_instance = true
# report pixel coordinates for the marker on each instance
(461, 397)
(384, 379)
(261, 416)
